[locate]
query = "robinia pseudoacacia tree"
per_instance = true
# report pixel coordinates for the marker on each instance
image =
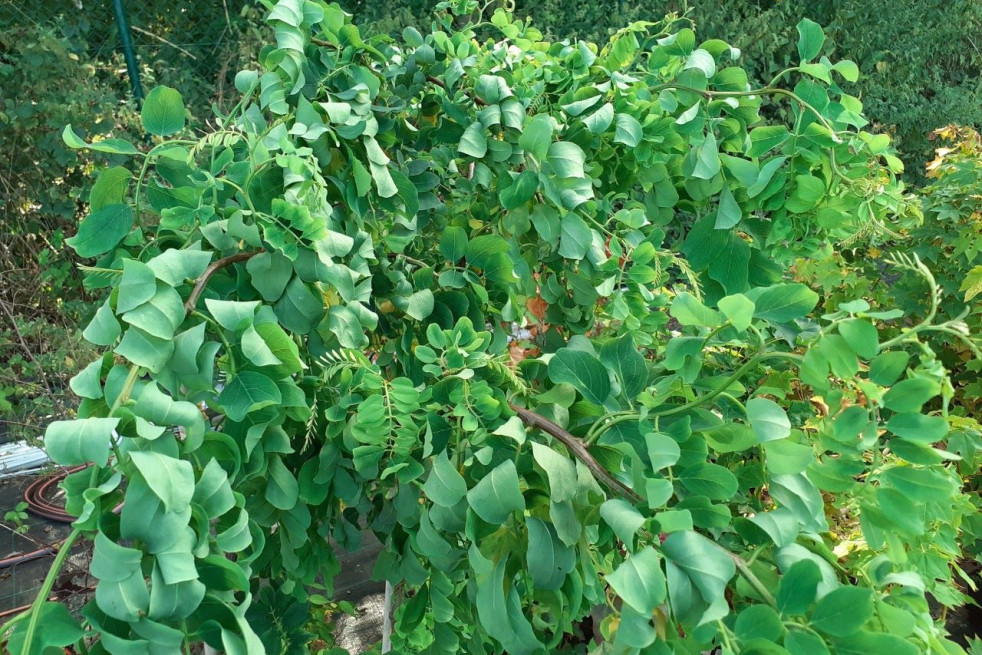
(521, 308)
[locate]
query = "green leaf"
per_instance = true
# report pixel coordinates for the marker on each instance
(282, 489)
(247, 392)
(622, 357)
(58, 629)
(707, 162)
(764, 139)
(560, 471)
(453, 243)
(109, 188)
(861, 336)
(137, 285)
(689, 310)
(628, 130)
(537, 136)
(232, 315)
(865, 642)
(420, 304)
(213, 491)
(269, 273)
(768, 420)
(549, 560)
(782, 303)
(728, 213)
(623, 518)
(639, 581)
(80, 441)
(112, 146)
(522, 190)
(706, 565)
(847, 69)
(888, 367)
(175, 267)
(758, 623)
(911, 394)
(103, 329)
(145, 349)
(101, 230)
(738, 310)
(163, 111)
(444, 485)
(170, 479)
(798, 586)
(299, 309)
(711, 480)
(575, 237)
(497, 495)
(811, 38)
(972, 284)
(567, 159)
(159, 316)
(583, 371)
(915, 427)
(663, 451)
(600, 120)
(808, 192)
(843, 611)
(805, 643)
(473, 142)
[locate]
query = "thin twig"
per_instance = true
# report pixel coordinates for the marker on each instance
(162, 40)
(578, 449)
(199, 287)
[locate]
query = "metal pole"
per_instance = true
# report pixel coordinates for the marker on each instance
(124, 35)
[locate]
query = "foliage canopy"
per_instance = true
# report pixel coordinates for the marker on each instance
(314, 323)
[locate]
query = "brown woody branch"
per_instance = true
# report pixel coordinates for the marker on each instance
(202, 282)
(578, 448)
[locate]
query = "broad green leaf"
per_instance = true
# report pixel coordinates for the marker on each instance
(811, 38)
(474, 142)
(707, 162)
(522, 190)
(910, 395)
(101, 230)
(145, 349)
(843, 611)
(805, 643)
(758, 623)
(567, 159)
(782, 303)
(444, 485)
(861, 336)
(109, 188)
(137, 285)
(269, 273)
(112, 146)
(600, 120)
(728, 213)
(560, 471)
(172, 480)
(232, 315)
(549, 560)
(420, 304)
(711, 480)
(247, 392)
(159, 316)
(916, 427)
(888, 367)
(628, 130)
(575, 237)
(213, 491)
(497, 495)
(730, 437)
(663, 451)
(163, 111)
(453, 242)
(798, 588)
(972, 284)
(707, 566)
(299, 309)
(639, 581)
(282, 490)
(57, 629)
(177, 267)
(537, 136)
(689, 310)
(766, 138)
(738, 310)
(623, 518)
(865, 642)
(622, 357)
(583, 371)
(769, 421)
(103, 329)
(80, 441)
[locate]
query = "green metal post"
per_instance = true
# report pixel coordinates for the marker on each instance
(124, 35)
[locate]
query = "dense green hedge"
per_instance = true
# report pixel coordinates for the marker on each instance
(920, 59)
